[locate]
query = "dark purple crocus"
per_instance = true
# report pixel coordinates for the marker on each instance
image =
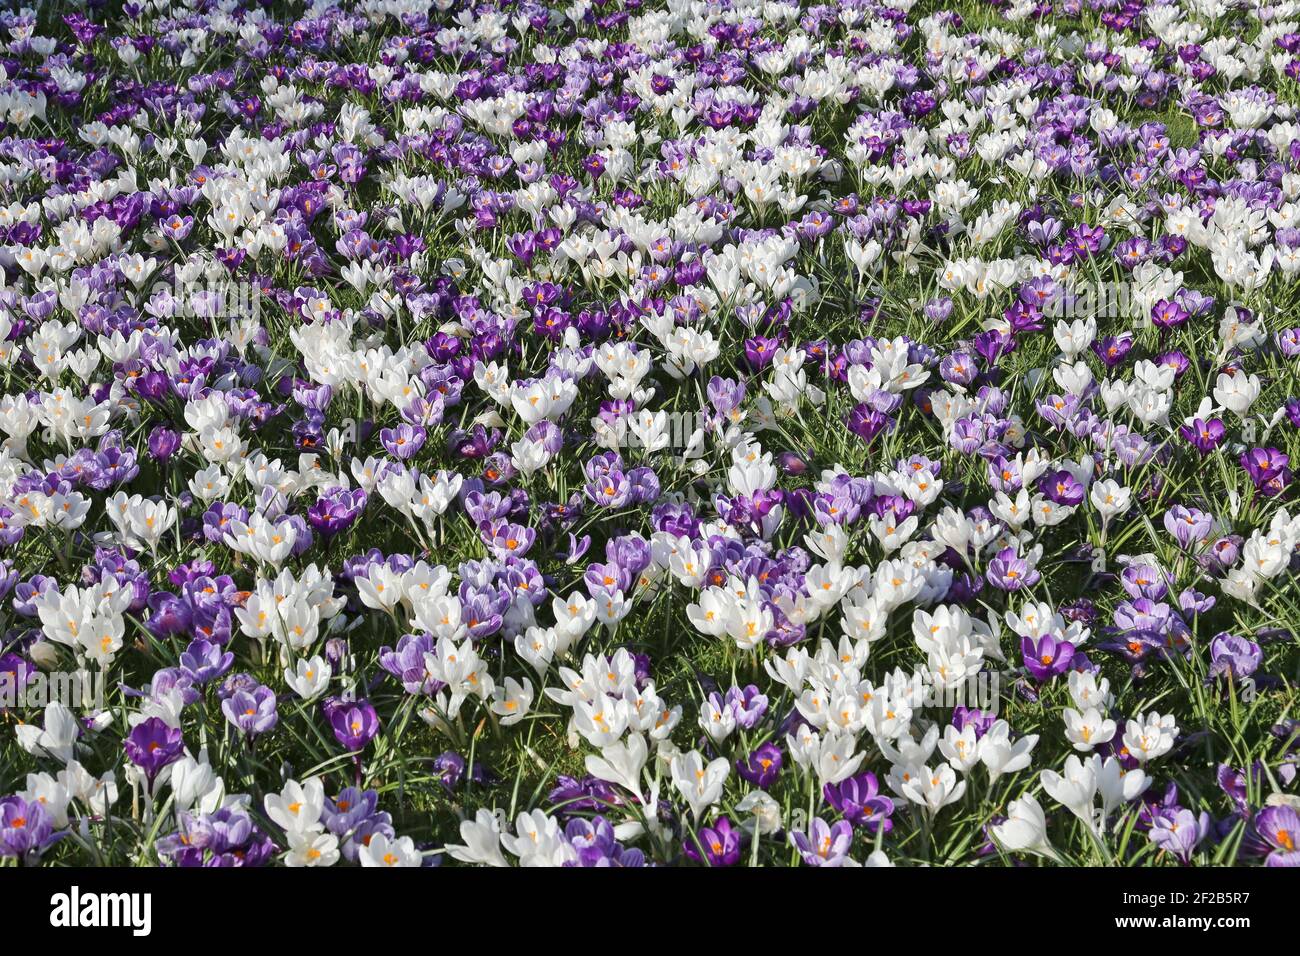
(1061, 487)
(336, 510)
(762, 766)
(1203, 435)
(858, 799)
(866, 422)
(450, 768)
(1267, 468)
(720, 844)
(1168, 315)
(152, 745)
(163, 443)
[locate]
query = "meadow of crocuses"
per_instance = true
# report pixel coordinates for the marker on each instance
(649, 433)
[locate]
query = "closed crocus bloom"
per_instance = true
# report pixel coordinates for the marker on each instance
(1117, 785)
(195, 784)
(1075, 788)
(1025, 829)
(163, 443)
(482, 837)
(621, 763)
(1237, 390)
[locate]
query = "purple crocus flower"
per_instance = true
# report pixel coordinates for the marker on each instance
(1279, 827)
(336, 510)
(1046, 657)
(747, 706)
(152, 745)
(858, 799)
(866, 422)
(252, 711)
(163, 443)
(406, 663)
(1267, 468)
(720, 844)
(1233, 656)
(762, 766)
(938, 310)
(25, 828)
(1179, 832)
(450, 768)
(355, 723)
(824, 844)
(1009, 572)
(1061, 487)
(596, 845)
(963, 717)
(1189, 526)
(1203, 435)
(404, 441)
(505, 539)
(205, 660)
